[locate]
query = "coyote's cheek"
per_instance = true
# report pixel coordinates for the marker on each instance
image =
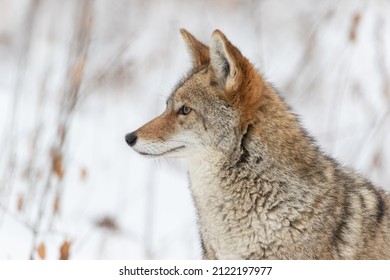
(159, 137)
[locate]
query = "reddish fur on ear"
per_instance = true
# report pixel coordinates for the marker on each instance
(199, 52)
(246, 87)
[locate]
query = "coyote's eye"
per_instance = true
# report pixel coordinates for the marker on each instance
(184, 110)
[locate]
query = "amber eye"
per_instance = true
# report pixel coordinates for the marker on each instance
(184, 110)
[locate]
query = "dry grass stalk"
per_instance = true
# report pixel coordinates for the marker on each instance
(57, 163)
(56, 204)
(20, 203)
(356, 19)
(83, 173)
(41, 250)
(64, 250)
(70, 96)
(108, 223)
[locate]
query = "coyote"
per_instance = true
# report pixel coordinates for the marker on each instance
(261, 186)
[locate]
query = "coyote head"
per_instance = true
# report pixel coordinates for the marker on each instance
(209, 110)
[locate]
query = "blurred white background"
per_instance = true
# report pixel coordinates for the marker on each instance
(76, 76)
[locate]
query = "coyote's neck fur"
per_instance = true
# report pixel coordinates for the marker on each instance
(260, 197)
(262, 188)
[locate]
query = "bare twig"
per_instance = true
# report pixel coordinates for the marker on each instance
(77, 59)
(8, 173)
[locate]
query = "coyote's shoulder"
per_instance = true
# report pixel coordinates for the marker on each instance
(262, 188)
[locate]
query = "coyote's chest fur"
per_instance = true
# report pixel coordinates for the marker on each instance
(250, 211)
(241, 215)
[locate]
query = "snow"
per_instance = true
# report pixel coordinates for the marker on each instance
(115, 204)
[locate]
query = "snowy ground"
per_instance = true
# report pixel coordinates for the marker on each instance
(67, 178)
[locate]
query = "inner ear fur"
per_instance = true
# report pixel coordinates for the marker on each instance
(226, 61)
(242, 83)
(199, 52)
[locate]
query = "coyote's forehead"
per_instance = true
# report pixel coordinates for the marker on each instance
(191, 76)
(194, 87)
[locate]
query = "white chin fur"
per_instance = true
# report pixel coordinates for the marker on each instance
(153, 150)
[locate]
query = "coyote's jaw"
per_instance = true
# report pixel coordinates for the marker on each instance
(153, 152)
(166, 148)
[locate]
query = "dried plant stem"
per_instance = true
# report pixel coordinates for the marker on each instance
(77, 59)
(11, 160)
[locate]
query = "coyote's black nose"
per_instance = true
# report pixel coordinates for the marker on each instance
(131, 138)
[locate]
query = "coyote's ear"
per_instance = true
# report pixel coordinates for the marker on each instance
(225, 60)
(199, 52)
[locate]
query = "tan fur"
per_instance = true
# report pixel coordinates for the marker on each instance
(262, 188)
(200, 51)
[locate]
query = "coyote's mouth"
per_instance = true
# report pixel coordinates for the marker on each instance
(163, 153)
